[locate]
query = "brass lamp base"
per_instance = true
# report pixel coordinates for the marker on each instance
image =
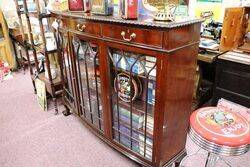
(164, 16)
(168, 14)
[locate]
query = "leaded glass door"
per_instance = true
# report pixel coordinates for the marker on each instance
(133, 86)
(88, 81)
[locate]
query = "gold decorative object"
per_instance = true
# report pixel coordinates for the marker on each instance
(166, 9)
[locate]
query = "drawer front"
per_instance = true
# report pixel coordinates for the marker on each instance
(231, 96)
(233, 77)
(235, 81)
(148, 37)
(86, 27)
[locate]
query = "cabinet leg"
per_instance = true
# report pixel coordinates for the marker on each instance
(66, 112)
(55, 105)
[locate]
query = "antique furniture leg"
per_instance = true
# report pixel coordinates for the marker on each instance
(22, 64)
(34, 86)
(55, 104)
(66, 112)
(211, 160)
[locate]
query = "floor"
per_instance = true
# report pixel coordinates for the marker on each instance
(30, 137)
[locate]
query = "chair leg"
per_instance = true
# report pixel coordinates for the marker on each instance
(55, 105)
(66, 112)
(226, 162)
(211, 160)
(34, 86)
(187, 156)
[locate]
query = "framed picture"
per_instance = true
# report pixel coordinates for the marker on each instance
(41, 94)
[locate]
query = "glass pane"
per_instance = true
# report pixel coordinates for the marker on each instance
(133, 80)
(89, 82)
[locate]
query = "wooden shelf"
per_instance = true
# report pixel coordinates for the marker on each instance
(139, 130)
(20, 12)
(245, 47)
(48, 51)
(142, 75)
(56, 81)
(32, 60)
(38, 15)
(135, 139)
(137, 105)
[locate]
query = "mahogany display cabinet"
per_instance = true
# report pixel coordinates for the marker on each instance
(131, 82)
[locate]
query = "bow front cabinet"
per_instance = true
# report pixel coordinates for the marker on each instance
(131, 82)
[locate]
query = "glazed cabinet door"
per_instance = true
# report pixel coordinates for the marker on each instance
(133, 75)
(67, 69)
(88, 82)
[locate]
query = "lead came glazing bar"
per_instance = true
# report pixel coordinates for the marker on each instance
(63, 61)
(131, 103)
(146, 109)
(87, 79)
(69, 69)
(80, 80)
(117, 96)
(96, 86)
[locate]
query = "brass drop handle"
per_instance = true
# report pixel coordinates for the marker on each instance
(132, 36)
(81, 28)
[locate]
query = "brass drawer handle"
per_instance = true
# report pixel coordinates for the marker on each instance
(81, 28)
(132, 36)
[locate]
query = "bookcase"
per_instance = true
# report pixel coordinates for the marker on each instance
(130, 81)
(40, 45)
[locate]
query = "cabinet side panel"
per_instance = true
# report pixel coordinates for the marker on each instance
(179, 78)
(179, 37)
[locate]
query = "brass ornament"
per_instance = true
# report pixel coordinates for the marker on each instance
(166, 10)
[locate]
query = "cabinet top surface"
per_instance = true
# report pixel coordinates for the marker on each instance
(242, 58)
(146, 22)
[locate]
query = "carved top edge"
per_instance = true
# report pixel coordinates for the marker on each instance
(139, 22)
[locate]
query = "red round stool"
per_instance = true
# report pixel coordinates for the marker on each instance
(220, 132)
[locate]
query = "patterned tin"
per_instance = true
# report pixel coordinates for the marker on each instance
(220, 131)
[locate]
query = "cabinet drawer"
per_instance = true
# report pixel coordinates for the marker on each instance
(234, 97)
(86, 27)
(133, 35)
(235, 81)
